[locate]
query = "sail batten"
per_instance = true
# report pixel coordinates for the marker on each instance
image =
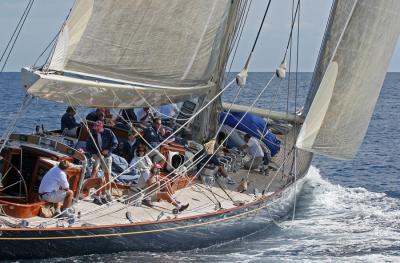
(360, 40)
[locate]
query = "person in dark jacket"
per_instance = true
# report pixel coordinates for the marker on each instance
(127, 148)
(153, 136)
(97, 115)
(100, 144)
(69, 126)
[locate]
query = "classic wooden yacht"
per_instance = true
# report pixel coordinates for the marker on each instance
(130, 54)
(217, 212)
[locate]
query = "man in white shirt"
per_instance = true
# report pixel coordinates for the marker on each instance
(54, 187)
(254, 151)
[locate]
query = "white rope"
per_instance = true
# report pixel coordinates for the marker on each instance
(258, 97)
(170, 136)
(176, 131)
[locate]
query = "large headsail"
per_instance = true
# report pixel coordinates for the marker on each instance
(145, 51)
(355, 54)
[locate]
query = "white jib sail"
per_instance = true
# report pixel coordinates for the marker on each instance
(336, 125)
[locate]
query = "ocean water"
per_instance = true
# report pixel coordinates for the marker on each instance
(348, 211)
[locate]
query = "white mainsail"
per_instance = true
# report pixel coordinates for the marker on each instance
(130, 53)
(358, 44)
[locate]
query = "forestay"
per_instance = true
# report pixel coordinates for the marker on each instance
(153, 47)
(355, 54)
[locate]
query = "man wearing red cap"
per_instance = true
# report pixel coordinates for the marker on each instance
(100, 144)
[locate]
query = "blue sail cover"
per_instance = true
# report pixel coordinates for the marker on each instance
(253, 125)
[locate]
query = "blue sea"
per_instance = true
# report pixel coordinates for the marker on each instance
(348, 211)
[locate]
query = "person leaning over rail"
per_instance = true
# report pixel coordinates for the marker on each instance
(100, 144)
(54, 188)
(69, 126)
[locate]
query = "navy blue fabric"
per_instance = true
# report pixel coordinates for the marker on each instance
(68, 121)
(92, 116)
(152, 137)
(122, 125)
(253, 125)
(127, 151)
(129, 114)
(109, 142)
(121, 167)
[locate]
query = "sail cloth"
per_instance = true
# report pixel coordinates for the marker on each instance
(355, 54)
(162, 44)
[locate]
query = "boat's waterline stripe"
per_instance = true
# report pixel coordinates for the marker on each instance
(134, 233)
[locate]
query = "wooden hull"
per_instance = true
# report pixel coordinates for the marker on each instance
(165, 235)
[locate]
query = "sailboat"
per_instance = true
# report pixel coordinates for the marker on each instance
(125, 54)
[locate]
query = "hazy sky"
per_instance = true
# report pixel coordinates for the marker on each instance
(47, 16)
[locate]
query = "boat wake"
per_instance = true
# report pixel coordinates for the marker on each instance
(332, 223)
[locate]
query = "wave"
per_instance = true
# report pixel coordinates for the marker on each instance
(342, 223)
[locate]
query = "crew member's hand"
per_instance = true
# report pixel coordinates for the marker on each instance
(105, 152)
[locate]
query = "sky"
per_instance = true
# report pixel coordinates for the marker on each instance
(47, 16)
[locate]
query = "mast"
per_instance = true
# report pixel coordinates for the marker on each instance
(205, 125)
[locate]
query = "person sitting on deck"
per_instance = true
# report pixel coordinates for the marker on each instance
(129, 115)
(145, 115)
(254, 151)
(54, 188)
(153, 138)
(211, 158)
(141, 162)
(161, 189)
(128, 147)
(97, 115)
(69, 126)
(100, 144)
(168, 113)
(126, 119)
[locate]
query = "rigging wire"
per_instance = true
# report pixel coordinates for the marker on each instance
(295, 106)
(11, 128)
(15, 30)
(19, 27)
(256, 39)
(261, 26)
(291, 31)
(259, 30)
(97, 209)
(177, 130)
(218, 148)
